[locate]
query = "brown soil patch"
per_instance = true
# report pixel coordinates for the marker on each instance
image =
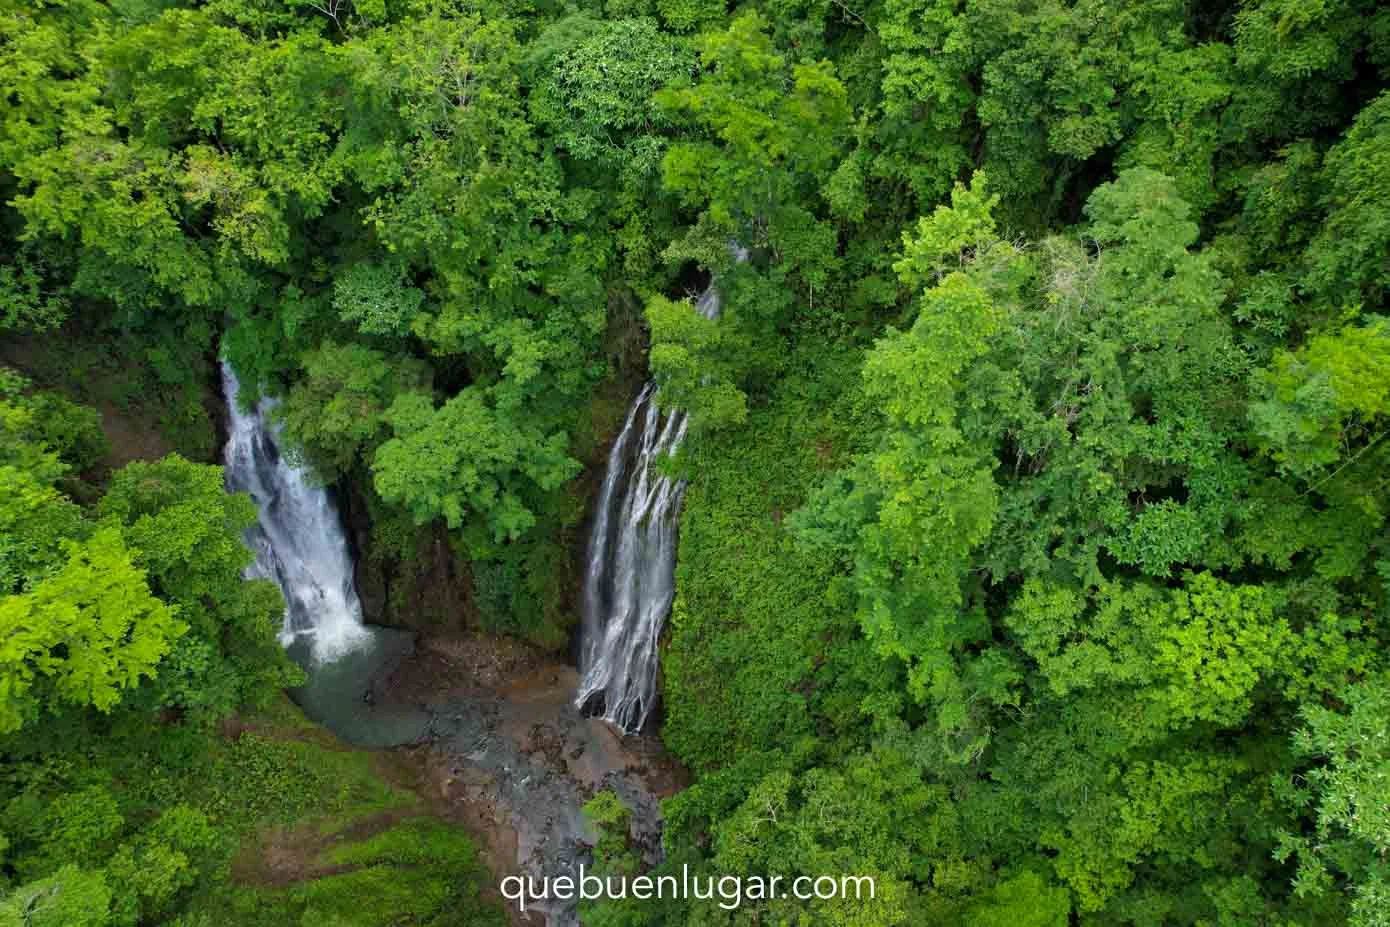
(281, 857)
(466, 797)
(131, 438)
(460, 665)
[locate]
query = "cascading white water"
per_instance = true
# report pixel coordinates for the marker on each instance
(629, 581)
(298, 539)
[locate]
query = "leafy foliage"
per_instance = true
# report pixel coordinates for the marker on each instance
(463, 457)
(82, 634)
(1034, 558)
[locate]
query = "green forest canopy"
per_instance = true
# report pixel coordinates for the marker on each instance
(1035, 556)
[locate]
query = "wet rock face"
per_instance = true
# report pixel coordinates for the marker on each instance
(369, 572)
(430, 591)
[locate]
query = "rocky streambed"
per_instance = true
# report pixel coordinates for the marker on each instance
(491, 726)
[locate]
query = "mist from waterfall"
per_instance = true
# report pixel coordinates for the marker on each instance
(298, 538)
(629, 579)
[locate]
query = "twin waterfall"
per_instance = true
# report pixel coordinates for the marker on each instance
(629, 580)
(298, 539)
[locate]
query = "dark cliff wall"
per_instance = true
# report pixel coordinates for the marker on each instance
(407, 577)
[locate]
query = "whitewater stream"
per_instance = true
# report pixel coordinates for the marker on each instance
(629, 576)
(298, 538)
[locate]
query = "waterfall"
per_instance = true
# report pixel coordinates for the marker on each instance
(629, 580)
(298, 539)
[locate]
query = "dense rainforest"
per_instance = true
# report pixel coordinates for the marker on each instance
(1034, 559)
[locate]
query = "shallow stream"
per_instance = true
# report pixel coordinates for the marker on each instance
(519, 761)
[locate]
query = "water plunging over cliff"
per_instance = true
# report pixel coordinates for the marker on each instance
(298, 539)
(629, 580)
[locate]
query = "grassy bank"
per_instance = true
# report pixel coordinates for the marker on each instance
(267, 821)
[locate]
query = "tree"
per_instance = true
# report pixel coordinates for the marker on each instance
(1347, 792)
(34, 521)
(1346, 260)
(1328, 396)
(468, 457)
(376, 299)
(696, 360)
(596, 93)
(771, 128)
(26, 303)
(83, 634)
(71, 897)
(187, 533)
(1022, 900)
(337, 412)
